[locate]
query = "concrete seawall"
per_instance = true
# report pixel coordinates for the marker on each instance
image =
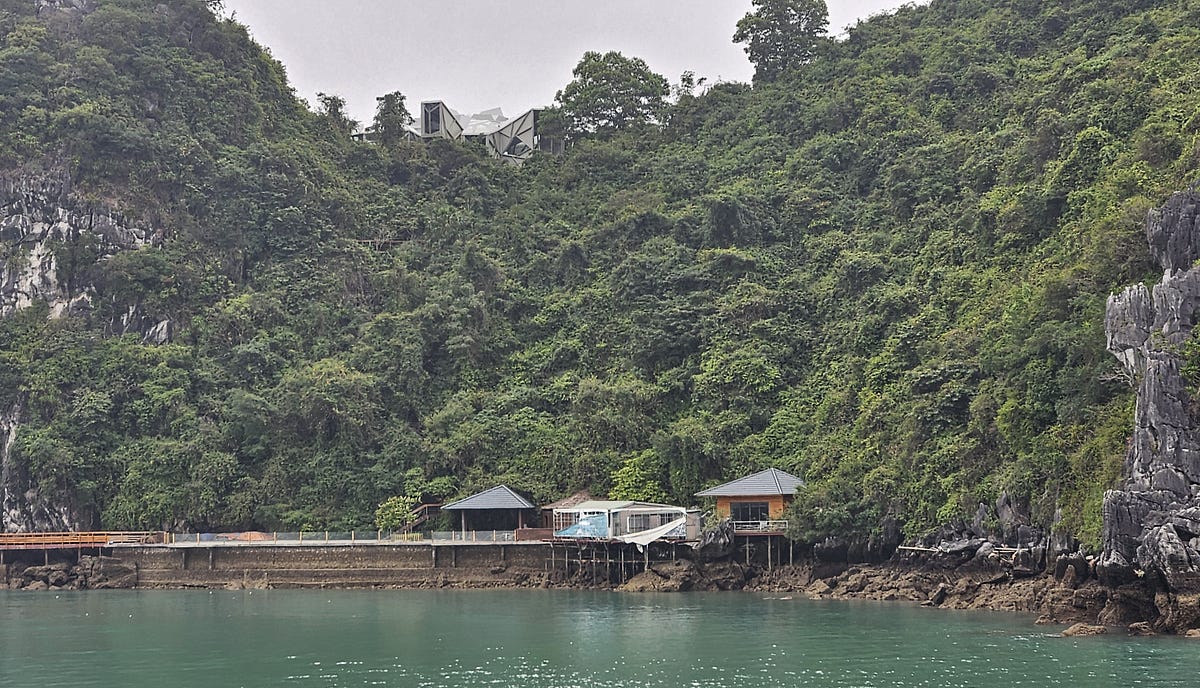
(662, 566)
(406, 565)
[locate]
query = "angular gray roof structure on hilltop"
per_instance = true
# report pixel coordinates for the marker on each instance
(769, 482)
(499, 497)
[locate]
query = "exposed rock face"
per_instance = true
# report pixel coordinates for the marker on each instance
(50, 242)
(1084, 629)
(1004, 531)
(879, 547)
(683, 575)
(97, 573)
(716, 542)
(23, 508)
(953, 581)
(1152, 524)
(40, 222)
(106, 572)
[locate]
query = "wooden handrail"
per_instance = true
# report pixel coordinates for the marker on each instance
(421, 514)
(101, 538)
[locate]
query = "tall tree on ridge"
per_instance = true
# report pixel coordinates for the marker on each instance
(781, 35)
(391, 118)
(333, 109)
(611, 92)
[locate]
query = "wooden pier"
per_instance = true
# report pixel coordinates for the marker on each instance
(79, 540)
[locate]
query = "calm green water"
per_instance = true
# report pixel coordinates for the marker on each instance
(546, 639)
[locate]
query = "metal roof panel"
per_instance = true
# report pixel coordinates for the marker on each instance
(499, 497)
(769, 482)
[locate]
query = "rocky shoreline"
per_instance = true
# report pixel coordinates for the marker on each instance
(1069, 594)
(90, 573)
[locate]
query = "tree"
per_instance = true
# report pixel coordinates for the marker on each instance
(391, 118)
(688, 83)
(395, 513)
(611, 93)
(781, 35)
(333, 109)
(640, 478)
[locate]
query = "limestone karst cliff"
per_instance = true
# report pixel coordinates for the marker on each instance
(1152, 523)
(49, 241)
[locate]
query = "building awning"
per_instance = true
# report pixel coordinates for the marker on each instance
(645, 537)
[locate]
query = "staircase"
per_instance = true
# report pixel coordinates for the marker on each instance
(422, 513)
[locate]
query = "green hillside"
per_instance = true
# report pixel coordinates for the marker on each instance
(883, 269)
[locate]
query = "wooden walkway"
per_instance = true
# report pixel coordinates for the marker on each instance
(80, 540)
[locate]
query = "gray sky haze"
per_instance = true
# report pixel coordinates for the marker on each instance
(480, 54)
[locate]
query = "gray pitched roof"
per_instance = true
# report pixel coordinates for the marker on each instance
(769, 482)
(499, 497)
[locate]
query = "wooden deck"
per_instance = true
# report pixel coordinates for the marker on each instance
(79, 540)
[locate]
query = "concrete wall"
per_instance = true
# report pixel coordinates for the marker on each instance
(411, 565)
(415, 565)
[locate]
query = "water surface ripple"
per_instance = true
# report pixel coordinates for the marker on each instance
(547, 639)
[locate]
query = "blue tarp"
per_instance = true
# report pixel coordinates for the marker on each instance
(594, 526)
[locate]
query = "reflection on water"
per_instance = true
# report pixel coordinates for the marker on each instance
(546, 639)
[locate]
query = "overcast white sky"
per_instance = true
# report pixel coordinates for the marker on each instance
(479, 54)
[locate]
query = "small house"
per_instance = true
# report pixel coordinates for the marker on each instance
(626, 520)
(756, 502)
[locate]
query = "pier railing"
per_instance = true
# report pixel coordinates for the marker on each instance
(293, 537)
(103, 538)
(96, 539)
(759, 526)
(474, 535)
(346, 537)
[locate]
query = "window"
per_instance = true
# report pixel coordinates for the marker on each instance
(432, 118)
(517, 148)
(750, 511)
(639, 522)
(563, 520)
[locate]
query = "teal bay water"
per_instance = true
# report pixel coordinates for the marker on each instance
(546, 639)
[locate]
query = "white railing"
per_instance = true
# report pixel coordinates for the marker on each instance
(759, 526)
(474, 535)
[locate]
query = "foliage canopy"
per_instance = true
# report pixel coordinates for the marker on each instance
(885, 273)
(611, 93)
(781, 35)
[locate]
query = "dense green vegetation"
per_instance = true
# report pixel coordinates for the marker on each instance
(882, 268)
